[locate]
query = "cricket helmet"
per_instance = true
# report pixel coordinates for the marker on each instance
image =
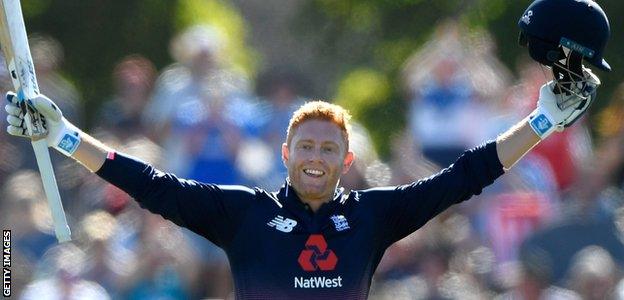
(579, 25)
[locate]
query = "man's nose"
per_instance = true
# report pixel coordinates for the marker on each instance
(315, 155)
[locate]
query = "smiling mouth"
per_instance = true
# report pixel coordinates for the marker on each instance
(313, 173)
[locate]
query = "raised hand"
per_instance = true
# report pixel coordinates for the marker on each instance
(59, 133)
(556, 111)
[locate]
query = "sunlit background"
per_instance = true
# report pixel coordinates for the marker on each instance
(205, 88)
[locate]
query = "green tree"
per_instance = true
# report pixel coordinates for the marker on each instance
(379, 35)
(97, 34)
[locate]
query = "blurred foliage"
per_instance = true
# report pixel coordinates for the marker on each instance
(228, 20)
(364, 92)
(98, 34)
(354, 40)
(379, 35)
(362, 88)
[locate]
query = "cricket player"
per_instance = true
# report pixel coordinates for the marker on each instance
(310, 240)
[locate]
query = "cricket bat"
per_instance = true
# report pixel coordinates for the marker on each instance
(14, 43)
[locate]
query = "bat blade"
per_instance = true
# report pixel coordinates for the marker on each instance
(14, 44)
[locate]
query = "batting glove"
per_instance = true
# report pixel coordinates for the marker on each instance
(555, 112)
(59, 133)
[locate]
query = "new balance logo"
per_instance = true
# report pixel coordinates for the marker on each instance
(283, 224)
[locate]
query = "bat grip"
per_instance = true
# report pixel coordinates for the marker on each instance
(61, 229)
(32, 119)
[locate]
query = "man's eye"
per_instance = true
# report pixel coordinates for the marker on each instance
(328, 149)
(306, 147)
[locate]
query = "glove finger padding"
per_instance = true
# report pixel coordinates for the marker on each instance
(12, 98)
(40, 104)
(60, 134)
(556, 111)
(15, 106)
(15, 118)
(587, 93)
(16, 131)
(15, 121)
(13, 110)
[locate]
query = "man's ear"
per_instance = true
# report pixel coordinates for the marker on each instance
(348, 162)
(285, 153)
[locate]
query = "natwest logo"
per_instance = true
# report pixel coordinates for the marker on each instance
(316, 256)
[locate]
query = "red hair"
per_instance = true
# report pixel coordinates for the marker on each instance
(320, 110)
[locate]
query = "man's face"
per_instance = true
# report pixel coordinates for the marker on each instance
(316, 158)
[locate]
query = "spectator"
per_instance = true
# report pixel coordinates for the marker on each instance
(62, 270)
(212, 142)
(282, 90)
(441, 79)
(133, 80)
(593, 273)
(48, 56)
(184, 92)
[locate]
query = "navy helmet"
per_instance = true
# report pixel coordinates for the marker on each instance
(579, 25)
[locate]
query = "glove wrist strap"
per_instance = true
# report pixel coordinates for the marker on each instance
(67, 140)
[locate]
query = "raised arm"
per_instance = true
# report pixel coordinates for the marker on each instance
(91, 153)
(61, 135)
(515, 143)
(210, 210)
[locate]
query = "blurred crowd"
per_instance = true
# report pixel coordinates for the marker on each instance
(551, 228)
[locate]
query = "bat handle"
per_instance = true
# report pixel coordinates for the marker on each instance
(61, 229)
(32, 118)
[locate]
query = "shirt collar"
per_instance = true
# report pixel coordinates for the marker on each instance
(289, 197)
(288, 192)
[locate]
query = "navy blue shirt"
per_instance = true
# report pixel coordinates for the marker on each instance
(278, 248)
